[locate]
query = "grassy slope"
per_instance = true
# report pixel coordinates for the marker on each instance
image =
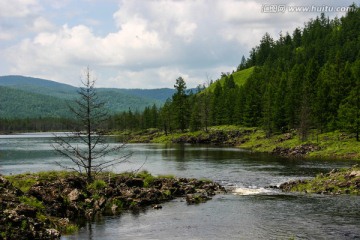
(332, 144)
(239, 78)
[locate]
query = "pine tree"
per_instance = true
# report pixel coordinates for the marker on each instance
(349, 111)
(181, 108)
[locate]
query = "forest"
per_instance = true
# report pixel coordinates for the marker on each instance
(306, 80)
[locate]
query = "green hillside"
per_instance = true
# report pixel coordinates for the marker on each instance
(26, 97)
(38, 86)
(243, 75)
(240, 78)
(306, 81)
(20, 104)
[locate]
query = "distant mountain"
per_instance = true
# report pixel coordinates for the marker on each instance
(16, 103)
(22, 97)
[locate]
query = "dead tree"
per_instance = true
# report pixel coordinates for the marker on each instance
(86, 146)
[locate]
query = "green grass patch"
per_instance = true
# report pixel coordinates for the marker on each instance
(333, 145)
(97, 185)
(26, 180)
(168, 176)
(70, 229)
(119, 203)
(147, 177)
(31, 201)
(240, 78)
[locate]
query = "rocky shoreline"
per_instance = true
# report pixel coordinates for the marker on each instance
(337, 181)
(329, 145)
(50, 205)
(295, 152)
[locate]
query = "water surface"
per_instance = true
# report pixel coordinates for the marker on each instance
(252, 212)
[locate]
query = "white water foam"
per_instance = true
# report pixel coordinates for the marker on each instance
(250, 191)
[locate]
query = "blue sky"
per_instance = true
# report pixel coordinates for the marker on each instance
(139, 43)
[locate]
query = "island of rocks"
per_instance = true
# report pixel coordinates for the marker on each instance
(46, 205)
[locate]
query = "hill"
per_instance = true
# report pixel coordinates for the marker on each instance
(27, 97)
(307, 80)
(239, 77)
(21, 104)
(161, 94)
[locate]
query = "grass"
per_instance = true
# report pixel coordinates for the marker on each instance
(26, 180)
(97, 185)
(343, 181)
(168, 176)
(147, 177)
(31, 201)
(333, 145)
(240, 78)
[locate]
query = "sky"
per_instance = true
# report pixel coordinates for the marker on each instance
(142, 43)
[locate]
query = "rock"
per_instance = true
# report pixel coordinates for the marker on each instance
(298, 151)
(157, 206)
(52, 233)
(135, 182)
(26, 210)
(99, 204)
(354, 174)
(74, 195)
(68, 199)
(196, 198)
(114, 207)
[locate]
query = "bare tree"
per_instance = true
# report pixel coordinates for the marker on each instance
(86, 146)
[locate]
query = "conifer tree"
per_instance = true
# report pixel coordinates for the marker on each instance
(181, 108)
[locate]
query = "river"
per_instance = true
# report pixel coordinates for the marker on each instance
(253, 211)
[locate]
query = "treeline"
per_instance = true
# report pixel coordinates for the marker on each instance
(309, 79)
(35, 125)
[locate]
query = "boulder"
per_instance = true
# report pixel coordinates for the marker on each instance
(74, 195)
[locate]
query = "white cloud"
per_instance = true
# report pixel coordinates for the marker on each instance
(41, 24)
(4, 36)
(185, 30)
(18, 8)
(153, 42)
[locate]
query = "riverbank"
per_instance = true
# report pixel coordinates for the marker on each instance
(46, 205)
(338, 181)
(330, 145)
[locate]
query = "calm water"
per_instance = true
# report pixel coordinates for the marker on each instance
(252, 212)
